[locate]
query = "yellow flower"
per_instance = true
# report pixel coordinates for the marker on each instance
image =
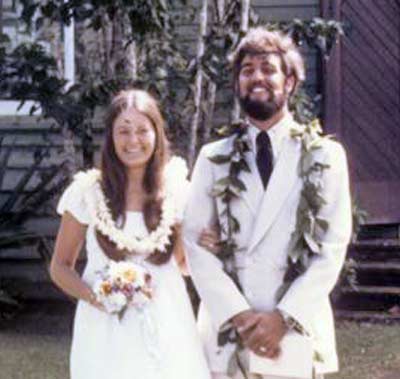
(129, 275)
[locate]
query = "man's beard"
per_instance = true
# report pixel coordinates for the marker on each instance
(262, 110)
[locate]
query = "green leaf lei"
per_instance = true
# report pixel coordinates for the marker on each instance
(228, 189)
(304, 242)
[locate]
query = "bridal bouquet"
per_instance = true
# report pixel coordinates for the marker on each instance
(121, 285)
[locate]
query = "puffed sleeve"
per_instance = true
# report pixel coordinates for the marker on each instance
(181, 199)
(73, 201)
(177, 185)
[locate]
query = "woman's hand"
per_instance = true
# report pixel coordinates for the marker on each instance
(92, 300)
(209, 239)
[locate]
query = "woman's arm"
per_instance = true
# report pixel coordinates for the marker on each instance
(179, 252)
(69, 242)
(209, 239)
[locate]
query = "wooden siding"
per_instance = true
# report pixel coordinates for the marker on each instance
(363, 104)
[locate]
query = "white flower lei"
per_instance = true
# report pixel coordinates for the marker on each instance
(175, 183)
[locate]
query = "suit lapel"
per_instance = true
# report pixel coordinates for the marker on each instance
(254, 187)
(283, 178)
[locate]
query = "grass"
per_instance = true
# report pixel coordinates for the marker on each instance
(368, 351)
(35, 345)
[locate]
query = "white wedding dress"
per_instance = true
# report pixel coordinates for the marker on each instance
(160, 342)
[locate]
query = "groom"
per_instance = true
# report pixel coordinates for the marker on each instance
(267, 69)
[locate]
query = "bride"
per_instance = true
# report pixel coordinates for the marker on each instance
(129, 211)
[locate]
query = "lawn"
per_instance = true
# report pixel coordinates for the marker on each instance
(35, 345)
(368, 351)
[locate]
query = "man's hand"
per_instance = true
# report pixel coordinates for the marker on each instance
(210, 239)
(261, 332)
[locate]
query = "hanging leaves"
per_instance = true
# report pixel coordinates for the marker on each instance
(310, 226)
(227, 189)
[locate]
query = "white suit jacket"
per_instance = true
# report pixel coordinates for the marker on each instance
(267, 220)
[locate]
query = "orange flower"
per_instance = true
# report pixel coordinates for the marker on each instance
(106, 288)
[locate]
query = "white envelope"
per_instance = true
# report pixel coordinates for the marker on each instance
(295, 361)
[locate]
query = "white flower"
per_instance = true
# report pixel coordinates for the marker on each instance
(175, 187)
(115, 302)
(117, 269)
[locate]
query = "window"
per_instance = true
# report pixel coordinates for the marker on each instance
(58, 40)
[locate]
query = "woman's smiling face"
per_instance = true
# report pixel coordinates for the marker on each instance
(134, 138)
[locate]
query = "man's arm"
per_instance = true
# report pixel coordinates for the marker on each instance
(216, 289)
(306, 293)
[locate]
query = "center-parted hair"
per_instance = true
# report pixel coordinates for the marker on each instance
(262, 41)
(114, 180)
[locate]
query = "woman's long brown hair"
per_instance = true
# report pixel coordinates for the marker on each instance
(114, 178)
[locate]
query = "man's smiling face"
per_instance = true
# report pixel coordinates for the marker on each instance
(263, 86)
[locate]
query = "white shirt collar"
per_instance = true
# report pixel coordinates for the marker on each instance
(276, 133)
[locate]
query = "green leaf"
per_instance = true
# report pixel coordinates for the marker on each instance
(220, 159)
(227, 196)
(48, 9)
(244, 166)
(322, 223)
(226, 193)
(304, 260)
(321, 166)
(234, 224)
(318, 357)
(297, 252)
(223, 182)
(39, 23)
(226, 336)
(4, 38)
(223, 213)
(239, 184)
(227, 251)
(217, 191)
(96, 22)
(233, 366)
(224, 131)
(281, 291)
(233, 191)
(294, 133)
(314, 246)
